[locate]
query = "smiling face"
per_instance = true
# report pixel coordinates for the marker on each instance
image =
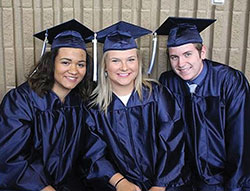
(186, 61)
(122, 67)
(70, 69)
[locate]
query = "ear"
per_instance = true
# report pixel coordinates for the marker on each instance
(203, 52)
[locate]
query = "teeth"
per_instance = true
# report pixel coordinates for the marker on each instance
(71, 78)
(183, 69)
(123, 74)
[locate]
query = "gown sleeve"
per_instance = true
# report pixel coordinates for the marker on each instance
(95, 164)
(21, 167)
(237, 133)
(170, 157)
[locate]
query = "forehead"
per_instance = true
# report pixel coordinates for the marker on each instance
(182, 48)
(122, 53)
(67, 51)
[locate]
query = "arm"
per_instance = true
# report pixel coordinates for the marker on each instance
(237, 133)
(94, 164)
(170, 143)
(154, 188)
(21, 167)
(48, 188)
(122, 184)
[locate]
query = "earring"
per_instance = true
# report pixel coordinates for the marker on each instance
(106, 74)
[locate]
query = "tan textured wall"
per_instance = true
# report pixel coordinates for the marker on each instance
(228, 40)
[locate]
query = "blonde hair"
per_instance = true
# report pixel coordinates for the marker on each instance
(102, 94)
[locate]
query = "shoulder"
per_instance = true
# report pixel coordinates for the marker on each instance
(226, 79)
(93, 109)
(18, 101)
(22, 92)
(217, 67)
(159, 92)
(167, 74)
(166, 102)
(152, 88)
(225, 72)
(169, 79)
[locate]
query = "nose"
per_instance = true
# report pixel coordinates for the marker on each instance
(124, 66)
(181, 62)
(73, 69)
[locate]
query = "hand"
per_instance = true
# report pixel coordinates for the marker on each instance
(156, 188)
(125, 185)
(48, 188)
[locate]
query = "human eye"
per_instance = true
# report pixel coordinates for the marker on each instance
(173, 57)
(115, 60)
(65, 62)
(131, 59)
(187, 54)
(81, 64)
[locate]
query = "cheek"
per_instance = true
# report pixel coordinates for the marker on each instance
(83, 72)
(56, 72)
(136, 68)
(59, 69)
(111, 67)
(57, 75)
(173, 64)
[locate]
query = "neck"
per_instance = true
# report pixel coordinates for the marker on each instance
(123, 91)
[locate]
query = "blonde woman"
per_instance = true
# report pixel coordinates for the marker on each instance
(137, 120)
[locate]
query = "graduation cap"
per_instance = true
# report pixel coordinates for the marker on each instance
(68, 34)
(182, 30)
(119, 36)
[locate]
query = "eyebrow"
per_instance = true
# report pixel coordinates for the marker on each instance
(188, 51)
(66, 59)
(114, 57)
(132, 56)
(71, 59)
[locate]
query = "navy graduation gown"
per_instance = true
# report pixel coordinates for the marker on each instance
(143, 140)
(218, 127)
(40, 140)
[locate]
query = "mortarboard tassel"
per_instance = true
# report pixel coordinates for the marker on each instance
(45, 43)
(153, 53)
(94, 41)
(43, 51)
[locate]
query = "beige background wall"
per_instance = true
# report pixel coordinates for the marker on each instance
(228, 40)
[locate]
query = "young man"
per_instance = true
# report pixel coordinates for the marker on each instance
(215, 101)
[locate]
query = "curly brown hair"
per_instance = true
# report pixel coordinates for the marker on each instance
(41, 77)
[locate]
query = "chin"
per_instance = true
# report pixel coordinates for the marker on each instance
(69, 87)
(183, 77)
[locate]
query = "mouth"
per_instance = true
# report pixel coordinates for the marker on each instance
(71, 78)
(184, 70)
(123, 74)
